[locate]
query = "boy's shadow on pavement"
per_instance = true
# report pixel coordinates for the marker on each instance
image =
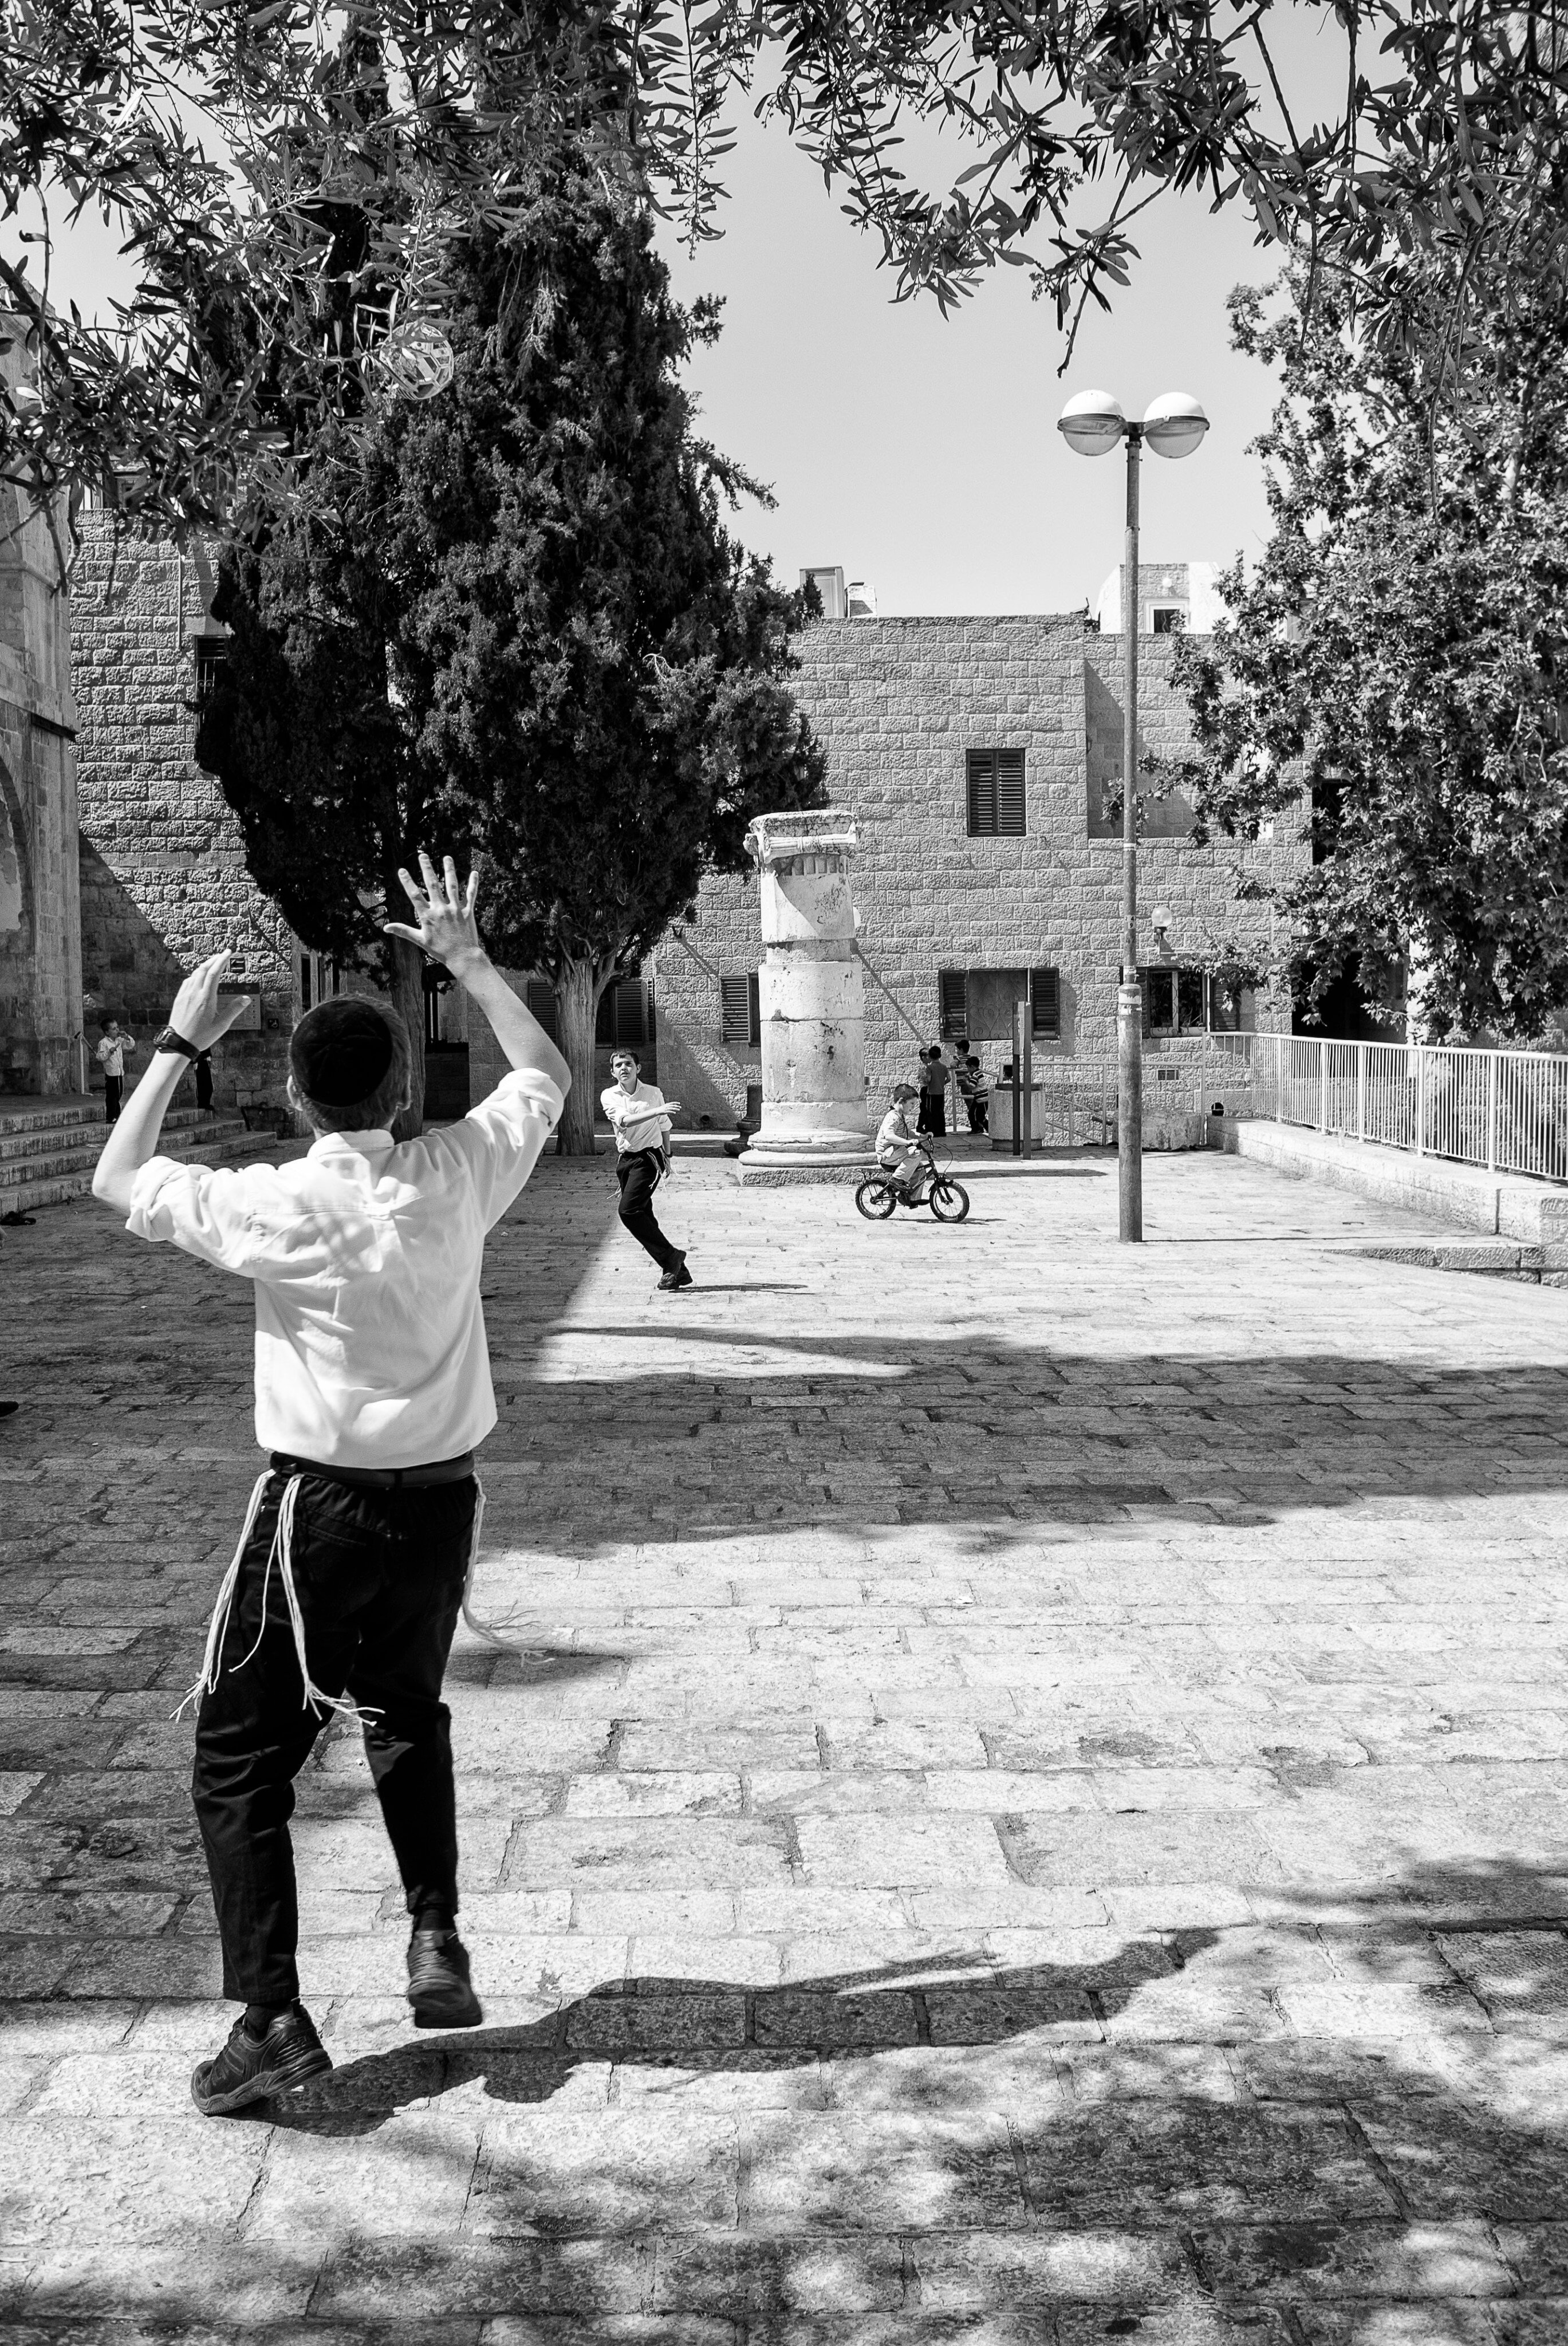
(952, 2003)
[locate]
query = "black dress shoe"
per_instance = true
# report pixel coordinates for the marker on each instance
(250, 2068)
(678, 1277)
(438, 1983)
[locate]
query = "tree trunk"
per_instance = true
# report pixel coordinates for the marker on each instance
(408, 1001)
(577, 991)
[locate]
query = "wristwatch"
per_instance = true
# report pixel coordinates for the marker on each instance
(170, 1040)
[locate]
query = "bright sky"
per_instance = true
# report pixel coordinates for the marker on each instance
(921, 452)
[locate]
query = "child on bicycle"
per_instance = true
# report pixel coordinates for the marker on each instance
(899, 1151)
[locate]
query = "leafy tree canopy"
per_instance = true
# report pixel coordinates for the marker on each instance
(218, 138)
(519, 622)
(1395, 672)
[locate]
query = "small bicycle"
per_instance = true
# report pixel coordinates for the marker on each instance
(881, 1196)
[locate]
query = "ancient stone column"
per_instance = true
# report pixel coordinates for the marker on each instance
(814, 1122)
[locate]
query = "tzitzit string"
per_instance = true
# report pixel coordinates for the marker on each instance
(488, 1631)
(280, 1552)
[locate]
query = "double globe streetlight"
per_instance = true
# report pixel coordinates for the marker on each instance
(1092, 423)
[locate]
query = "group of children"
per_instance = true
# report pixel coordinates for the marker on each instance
(968, 1078)
(925, 1102)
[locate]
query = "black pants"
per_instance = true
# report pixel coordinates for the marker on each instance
(379, 1574)
(113, 1091)
(933, 1113)
(637, 1172)
(977, 1113)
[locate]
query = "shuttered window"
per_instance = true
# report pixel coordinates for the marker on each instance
(541, 1000)
(625, 1014)
(1044, 1005)
(742, 1003)
(953, 1005)
(995, 793)
(976, 1004)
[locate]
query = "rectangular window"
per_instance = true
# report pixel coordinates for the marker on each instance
(740, 1001)
(211, 652)
(1044, 1005)
(1167, 620)
(995, 793)
(976, 1005)
(953, 1005)
(1190, 1001)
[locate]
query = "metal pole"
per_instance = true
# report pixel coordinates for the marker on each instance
(1322, 1086)
(1129, 993)
(1024, 1059)
(1491, 1111)
(1017, 1083)
(1360, 1091)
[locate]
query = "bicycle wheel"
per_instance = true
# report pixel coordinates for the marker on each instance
(948, 1201)
(876, 1199)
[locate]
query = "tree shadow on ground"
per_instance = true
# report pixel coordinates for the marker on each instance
(1012, 1440)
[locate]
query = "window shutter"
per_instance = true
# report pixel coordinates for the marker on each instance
(1010, 793)
(735, 1007)
(623, 1014)
(982, 766)
(541, 1000)
(952, 1003)
(995, 793)
(754, 1011)
(1045, 1003)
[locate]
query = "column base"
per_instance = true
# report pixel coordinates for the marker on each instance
(779, 1168)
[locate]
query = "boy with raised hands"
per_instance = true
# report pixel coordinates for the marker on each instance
(372, 1392)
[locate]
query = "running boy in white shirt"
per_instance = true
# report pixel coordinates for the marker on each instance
(372, 1389)
(639, 1117)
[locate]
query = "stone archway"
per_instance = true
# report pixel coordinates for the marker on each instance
(18, 1023)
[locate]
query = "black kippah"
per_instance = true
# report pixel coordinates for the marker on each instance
(340, 1052)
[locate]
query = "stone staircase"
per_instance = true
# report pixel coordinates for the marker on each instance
(49, 1146)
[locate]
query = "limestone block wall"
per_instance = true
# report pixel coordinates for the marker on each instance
(40, 938)
(163, 876)
(897, 703)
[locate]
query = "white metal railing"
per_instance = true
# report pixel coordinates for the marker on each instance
(1507, 1110)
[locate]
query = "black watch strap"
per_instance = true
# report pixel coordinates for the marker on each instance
(169, 1040)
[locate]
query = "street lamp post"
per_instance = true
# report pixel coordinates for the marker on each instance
(1092, 423)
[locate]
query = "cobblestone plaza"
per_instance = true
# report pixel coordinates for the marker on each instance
(1034, 1812)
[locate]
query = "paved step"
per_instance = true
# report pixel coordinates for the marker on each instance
(48, 1148)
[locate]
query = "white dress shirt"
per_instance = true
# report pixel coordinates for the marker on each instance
(649, 1131)
(366, 1256)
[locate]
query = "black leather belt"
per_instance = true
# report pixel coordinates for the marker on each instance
(380, 1478)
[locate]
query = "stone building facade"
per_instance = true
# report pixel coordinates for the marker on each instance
(913, 712)
(163, 876)
(40, 942)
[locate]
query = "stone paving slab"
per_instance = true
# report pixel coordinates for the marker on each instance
(1032, 1809)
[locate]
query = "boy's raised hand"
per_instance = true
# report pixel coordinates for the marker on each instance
(443, 909)
(199, 1013)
